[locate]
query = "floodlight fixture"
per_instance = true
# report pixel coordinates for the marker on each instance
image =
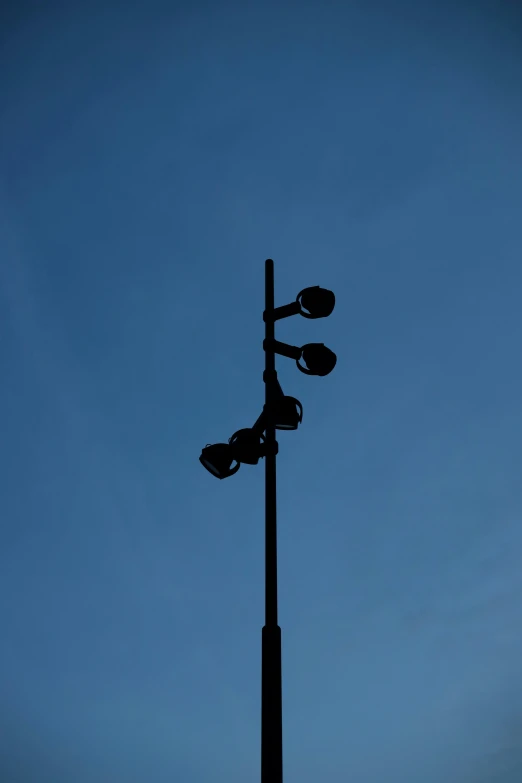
(312, 302)
(319, 359)
(217, 458)
(288, 413)
(247, 446)
(319, 302)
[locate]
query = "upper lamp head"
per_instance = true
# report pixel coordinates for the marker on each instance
(218, 459)
(319, 302)
(319, 359)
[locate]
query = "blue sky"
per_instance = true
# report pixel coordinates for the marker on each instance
(151, 157)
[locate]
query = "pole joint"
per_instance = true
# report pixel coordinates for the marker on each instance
(269, 376)
(270, 448)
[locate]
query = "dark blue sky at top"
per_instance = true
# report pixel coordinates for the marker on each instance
(152, 155)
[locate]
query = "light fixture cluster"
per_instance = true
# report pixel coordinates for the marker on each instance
(248, 445)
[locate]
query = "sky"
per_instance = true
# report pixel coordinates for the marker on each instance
(152, 156)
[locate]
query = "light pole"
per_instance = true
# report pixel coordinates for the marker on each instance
(271, 701)
(248, 446)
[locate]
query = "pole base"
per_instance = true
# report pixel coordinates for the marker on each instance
(271, 706)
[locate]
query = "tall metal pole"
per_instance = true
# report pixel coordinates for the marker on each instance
(271, 701)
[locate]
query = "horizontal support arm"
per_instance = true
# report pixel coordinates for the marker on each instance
(283, 349)
(294, 308)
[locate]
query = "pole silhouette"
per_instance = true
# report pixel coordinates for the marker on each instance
(271, 679)
(247, 446)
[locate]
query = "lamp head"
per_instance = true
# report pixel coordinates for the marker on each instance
(319, 359)
(288, 413)
(217, 459)
(246, 446)
(319, 302)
